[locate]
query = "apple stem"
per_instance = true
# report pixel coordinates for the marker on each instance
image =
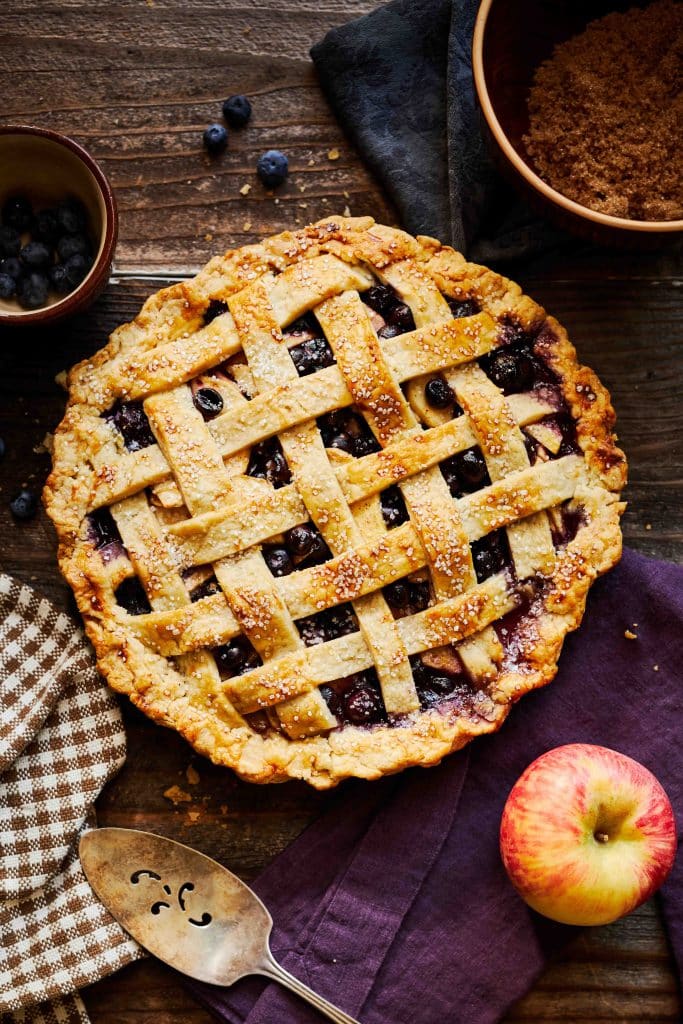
(601, 837)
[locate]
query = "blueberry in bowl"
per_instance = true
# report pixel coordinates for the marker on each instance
(58, 230)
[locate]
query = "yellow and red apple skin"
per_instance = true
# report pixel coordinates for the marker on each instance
(557, 808)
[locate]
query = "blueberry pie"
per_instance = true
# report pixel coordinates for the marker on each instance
(330, 508)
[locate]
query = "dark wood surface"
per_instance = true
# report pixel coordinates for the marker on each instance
(136, 82)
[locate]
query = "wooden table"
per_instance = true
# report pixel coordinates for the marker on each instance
(137, 82)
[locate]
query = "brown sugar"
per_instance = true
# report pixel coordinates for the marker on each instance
(605, 114)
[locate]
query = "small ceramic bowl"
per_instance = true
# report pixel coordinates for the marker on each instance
(511, 39)
(47, 168)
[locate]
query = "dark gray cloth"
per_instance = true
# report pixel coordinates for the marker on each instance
(400, 82)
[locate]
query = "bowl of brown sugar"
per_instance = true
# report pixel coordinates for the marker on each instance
(582, 105)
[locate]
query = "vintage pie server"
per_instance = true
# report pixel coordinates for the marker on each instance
(187, 910)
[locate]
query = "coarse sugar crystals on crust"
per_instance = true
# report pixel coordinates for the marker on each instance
(330, 507)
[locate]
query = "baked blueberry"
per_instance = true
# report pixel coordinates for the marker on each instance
(272, 168)
(362, 704)
(24, 504)
(103, 528)
(12, 265)
(365, 445)
(311, 355)
(343, 442)
(71, 217)
(131, 421)
(394, 509)
(59, 279)
(206, 589)
(464, 307)
(300, 539)
(401, 316)
(70, 245)
(438, 393)
(215, 308)
(488, 556)
(471, 469)
(236, 657)
(10, 241)
(381, 298)
(237, 111)
(8, 286)
(278, 561)
(17, 212)
(333, 700)
(32, 291)
(389, 331)
(397, 594)
(511, 371)
(215, 138)
(131, 595)
(209, 402)
(35, 256)
(46, 228)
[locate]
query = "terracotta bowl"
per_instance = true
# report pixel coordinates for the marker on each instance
(47, 167)
(511, 38)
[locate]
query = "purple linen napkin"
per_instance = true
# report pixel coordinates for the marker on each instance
(395, 904)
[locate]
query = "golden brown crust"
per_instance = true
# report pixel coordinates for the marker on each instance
(168, 344)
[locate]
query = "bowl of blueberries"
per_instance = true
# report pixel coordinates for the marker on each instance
(58, 226)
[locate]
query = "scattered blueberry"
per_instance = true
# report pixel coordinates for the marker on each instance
(59, 279)
(10, 241)
(35, 255)
(215, 138)
(8, 286)
(33, 291)
(70, 245)
(46, 227)
(11, 265)
(71, 216)
(278, 561)
(209, 402)
(438, 393)
(17, 212)
(237, 111)
(76, 268)
(272, 168)
(24, 505)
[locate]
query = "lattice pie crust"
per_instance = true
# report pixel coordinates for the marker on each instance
(238, 517)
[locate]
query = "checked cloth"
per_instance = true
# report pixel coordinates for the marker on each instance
(61, 739)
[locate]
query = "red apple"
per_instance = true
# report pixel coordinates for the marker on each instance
(587, 834)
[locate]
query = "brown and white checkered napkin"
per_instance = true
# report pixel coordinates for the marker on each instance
(61, 739)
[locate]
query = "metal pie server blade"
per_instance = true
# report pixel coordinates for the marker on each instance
(187, 909)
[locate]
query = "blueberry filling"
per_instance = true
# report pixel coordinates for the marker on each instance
(511, 371)
(209, 402)
(465, 472)
(131, 596)
(131, 421)
(327, 625)
(306, 546)
(570, 443)
(278, 560)
(407, 597)
(434, 685)
(311, 355)
(565, 524)
(397, 315)
(236, 657)
(215, 308)
(267, 462)
(206, 589)
(102, 529)
(463, 307)
(394, 511)
(490, 555)
(356, 699)
(381, 298)
(438, 393)
(348, 432)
